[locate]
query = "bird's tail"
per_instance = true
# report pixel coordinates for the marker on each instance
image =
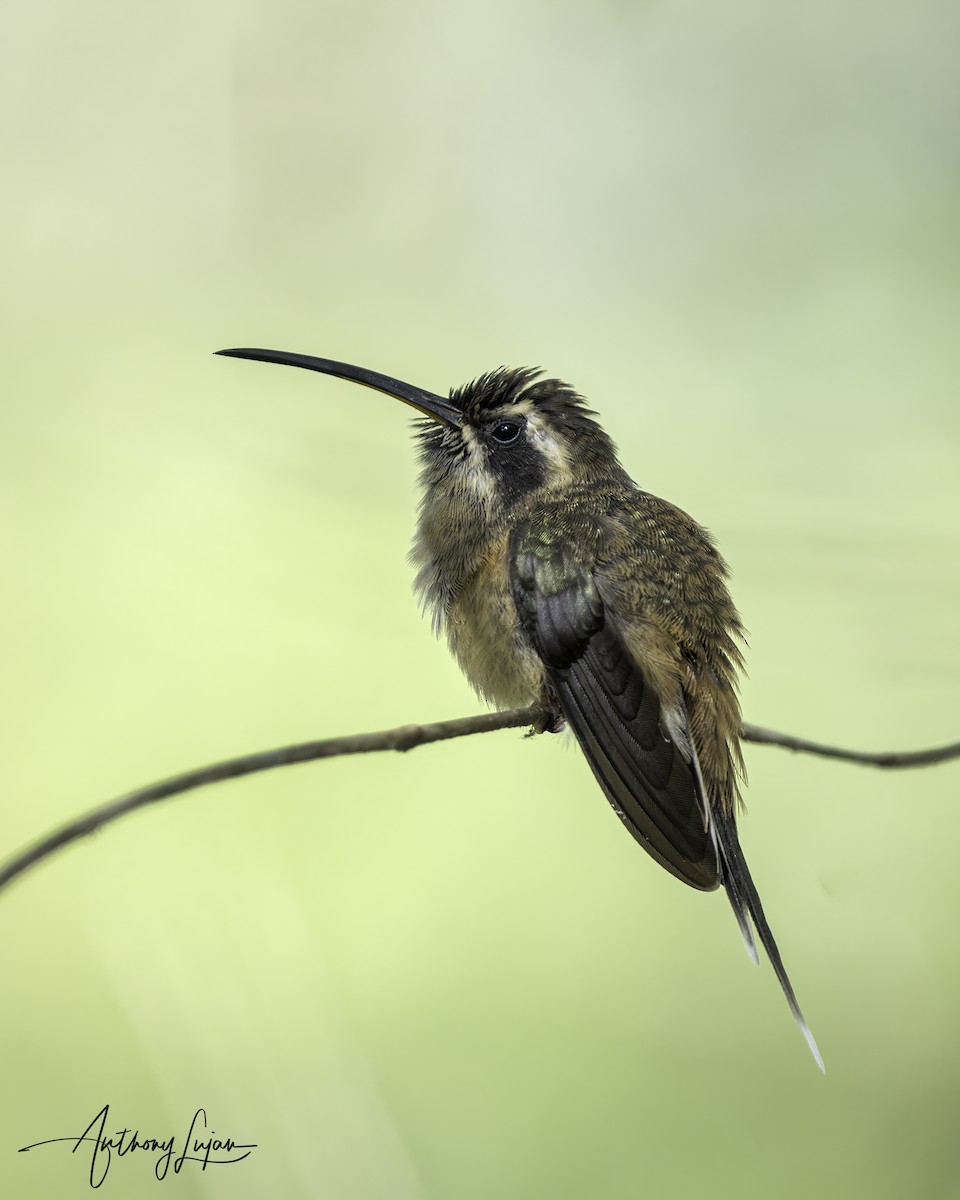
(747, 907)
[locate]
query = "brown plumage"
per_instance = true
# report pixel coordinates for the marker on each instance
(558, 582)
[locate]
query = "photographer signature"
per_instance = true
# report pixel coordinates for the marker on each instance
(197, 1147)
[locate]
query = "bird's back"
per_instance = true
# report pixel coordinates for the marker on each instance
(665, 584)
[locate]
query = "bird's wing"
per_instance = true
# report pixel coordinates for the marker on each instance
(655, 784)
(611, 707)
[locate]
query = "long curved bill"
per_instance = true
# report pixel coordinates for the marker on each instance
(426, 402)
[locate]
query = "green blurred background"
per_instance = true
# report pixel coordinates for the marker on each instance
(736, 229)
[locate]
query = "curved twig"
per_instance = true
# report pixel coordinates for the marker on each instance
(403, 738)
(892, 759)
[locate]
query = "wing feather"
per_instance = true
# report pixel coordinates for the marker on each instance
(612, 709)
(650, 773)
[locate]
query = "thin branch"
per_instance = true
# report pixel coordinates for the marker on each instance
(891, 759)
(403, 738)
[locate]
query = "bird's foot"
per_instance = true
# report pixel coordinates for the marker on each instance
(549, 721)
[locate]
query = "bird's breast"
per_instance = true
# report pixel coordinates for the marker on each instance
(485, 635)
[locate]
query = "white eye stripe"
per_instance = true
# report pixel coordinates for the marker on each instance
(552, 447)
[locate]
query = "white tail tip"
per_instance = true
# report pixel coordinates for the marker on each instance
(814, 1049)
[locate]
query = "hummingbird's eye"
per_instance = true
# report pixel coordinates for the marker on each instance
(505, 432)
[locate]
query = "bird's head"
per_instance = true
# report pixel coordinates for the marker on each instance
(508, 435)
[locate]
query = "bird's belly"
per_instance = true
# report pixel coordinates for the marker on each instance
(486, 638)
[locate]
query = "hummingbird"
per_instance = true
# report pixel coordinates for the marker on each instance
(559, 583)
